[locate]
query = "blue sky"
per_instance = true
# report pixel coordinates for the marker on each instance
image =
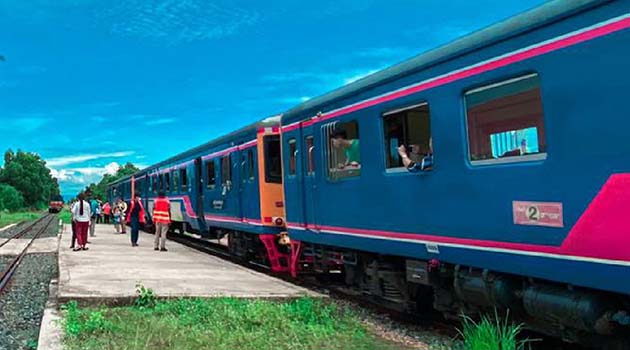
(90, 84)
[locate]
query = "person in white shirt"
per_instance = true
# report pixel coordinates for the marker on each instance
(81, 218)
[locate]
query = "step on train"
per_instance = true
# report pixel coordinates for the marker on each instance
(492, 173)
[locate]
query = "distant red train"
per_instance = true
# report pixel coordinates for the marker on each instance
(55, 205)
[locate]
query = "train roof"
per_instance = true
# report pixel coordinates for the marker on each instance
(251, 128)
(536, 17)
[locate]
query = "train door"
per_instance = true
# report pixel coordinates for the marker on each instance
(198, 191)
(293, 176)
(309, 184)
(248, 185)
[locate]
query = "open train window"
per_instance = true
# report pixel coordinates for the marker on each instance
(211, 176)
(310, 165)
(250, 164)
(343, 152)
(273, 159)
(407, 134)
(226, 169)
(167, 182)
(184, 176)
(292, 156)
(505, 122)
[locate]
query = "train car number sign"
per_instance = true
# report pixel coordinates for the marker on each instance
(537, 213)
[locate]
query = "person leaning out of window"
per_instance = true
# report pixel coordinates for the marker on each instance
(414, 160)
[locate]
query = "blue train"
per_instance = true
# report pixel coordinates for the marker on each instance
(490, 173)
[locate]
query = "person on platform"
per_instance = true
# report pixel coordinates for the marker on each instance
(81, 215)
(122, 205)
(107, 211)
(135, 217)
(73, 227)
(117, 218)
(94, 211)
(162, 219)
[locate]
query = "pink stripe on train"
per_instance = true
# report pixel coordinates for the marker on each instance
(567, 40)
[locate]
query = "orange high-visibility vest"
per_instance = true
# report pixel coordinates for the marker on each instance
(161, 213)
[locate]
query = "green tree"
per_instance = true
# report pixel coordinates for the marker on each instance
(99, 190)
(10, 198)
(28, 174)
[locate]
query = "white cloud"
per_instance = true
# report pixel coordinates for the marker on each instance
(83, 176)
(159, 121)
(25, 124)
(175, 21)
(80, 158)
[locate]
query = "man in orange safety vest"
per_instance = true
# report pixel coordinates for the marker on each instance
(161, 218)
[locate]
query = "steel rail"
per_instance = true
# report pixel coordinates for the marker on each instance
(9, 271)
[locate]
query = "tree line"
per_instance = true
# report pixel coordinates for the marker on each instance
(26, 182)
(99, 190)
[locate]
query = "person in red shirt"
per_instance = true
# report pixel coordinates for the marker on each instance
(107, 211)
(162, 219)
(135, 217)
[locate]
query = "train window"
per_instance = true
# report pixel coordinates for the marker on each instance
(310, 166)
(407, 134)
(167, 182)
(250, 164)
(273, 159)
(210, 174)
(155, 183)
(343, 150)
(226, 169)
(175, 180)
(244, 168)
(184, 176)
(505, 121)
(161, 182)
(292, 156)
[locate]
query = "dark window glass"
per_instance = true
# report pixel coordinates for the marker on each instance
(175, 180)
(184, 176)
(161, 179)
(273, 159)
(343, 150)
(292, 156)
(167, 182)
(505, 121)
(408, 131)
(210, 174)
(250, 164)
(226, 169)
(310, 166)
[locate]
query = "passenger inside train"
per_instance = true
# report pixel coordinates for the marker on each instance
(350, 147)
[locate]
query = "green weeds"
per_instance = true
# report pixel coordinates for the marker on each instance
(218, 324)
(492, 333)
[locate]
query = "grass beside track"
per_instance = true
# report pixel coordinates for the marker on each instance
(12, 218)
(220, 324)
(65, 215)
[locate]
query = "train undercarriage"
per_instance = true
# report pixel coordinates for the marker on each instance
(425, 288)
(577, 315)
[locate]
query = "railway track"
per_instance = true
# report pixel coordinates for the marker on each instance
(11, 267)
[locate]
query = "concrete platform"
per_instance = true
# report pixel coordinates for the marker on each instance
(108, 272)
(41, 245)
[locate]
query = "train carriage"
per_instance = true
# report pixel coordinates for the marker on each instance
(231, 186)
(523, 206)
